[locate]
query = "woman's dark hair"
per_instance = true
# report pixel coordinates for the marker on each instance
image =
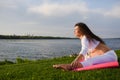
(88, 33)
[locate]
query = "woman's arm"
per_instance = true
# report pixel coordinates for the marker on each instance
(77, 60)
(83, 52)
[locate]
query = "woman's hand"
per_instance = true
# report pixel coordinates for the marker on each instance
(76, 64)
(77, 61)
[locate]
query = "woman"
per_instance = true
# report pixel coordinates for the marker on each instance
(93, 51)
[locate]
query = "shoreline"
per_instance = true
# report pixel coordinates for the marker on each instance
(22, 60)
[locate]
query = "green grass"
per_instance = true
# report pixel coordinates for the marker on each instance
(42, 70)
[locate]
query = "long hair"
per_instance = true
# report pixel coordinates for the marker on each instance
(88, 33)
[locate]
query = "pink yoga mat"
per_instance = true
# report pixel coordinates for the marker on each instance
(99, 66)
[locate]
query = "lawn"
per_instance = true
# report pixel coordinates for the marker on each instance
(42, 70)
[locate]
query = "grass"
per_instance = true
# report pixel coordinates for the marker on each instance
(42, 70)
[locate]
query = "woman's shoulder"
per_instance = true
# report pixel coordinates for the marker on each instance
(84, 39)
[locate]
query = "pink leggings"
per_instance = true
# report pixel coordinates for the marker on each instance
(107, 57)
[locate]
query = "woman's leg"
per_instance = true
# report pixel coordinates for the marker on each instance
(107, 57)
(63, 66)
(67, 67)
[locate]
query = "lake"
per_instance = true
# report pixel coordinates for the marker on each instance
(35, 49)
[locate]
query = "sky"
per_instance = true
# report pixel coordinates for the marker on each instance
(58, 17)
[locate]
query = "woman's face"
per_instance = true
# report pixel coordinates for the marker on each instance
(77, 32)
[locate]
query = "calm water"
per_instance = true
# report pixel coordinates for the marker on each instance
(39, 49)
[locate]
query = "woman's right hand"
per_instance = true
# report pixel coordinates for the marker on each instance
(78, 59)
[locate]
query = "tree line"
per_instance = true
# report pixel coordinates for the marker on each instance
(30, 37)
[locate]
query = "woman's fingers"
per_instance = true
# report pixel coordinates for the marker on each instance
(76, 64)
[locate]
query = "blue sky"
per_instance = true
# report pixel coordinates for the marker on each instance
(57, 17)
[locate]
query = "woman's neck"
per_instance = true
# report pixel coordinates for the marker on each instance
(81, 37)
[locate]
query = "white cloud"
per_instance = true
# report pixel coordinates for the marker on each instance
(28, 23)
(49, 8)
(114, 12)
(57, 9)
(53, 9)
(8, 4)
(13, 4)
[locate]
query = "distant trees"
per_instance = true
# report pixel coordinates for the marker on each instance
(30, 37)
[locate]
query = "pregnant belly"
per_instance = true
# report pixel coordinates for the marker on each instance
(99, 50)
(96, 53)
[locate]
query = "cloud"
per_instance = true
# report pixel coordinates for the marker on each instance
(14, 4)
(55, 9)
(82, 8)
(28, 23)
(114, 12)
(60, 8)
(8, 4)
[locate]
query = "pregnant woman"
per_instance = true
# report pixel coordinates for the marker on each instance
(93, 51)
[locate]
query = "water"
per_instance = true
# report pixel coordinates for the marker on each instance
(40, 49)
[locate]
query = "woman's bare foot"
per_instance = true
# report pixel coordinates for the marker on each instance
(66, 67)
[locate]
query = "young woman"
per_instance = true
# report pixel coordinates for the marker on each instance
(93, 51)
